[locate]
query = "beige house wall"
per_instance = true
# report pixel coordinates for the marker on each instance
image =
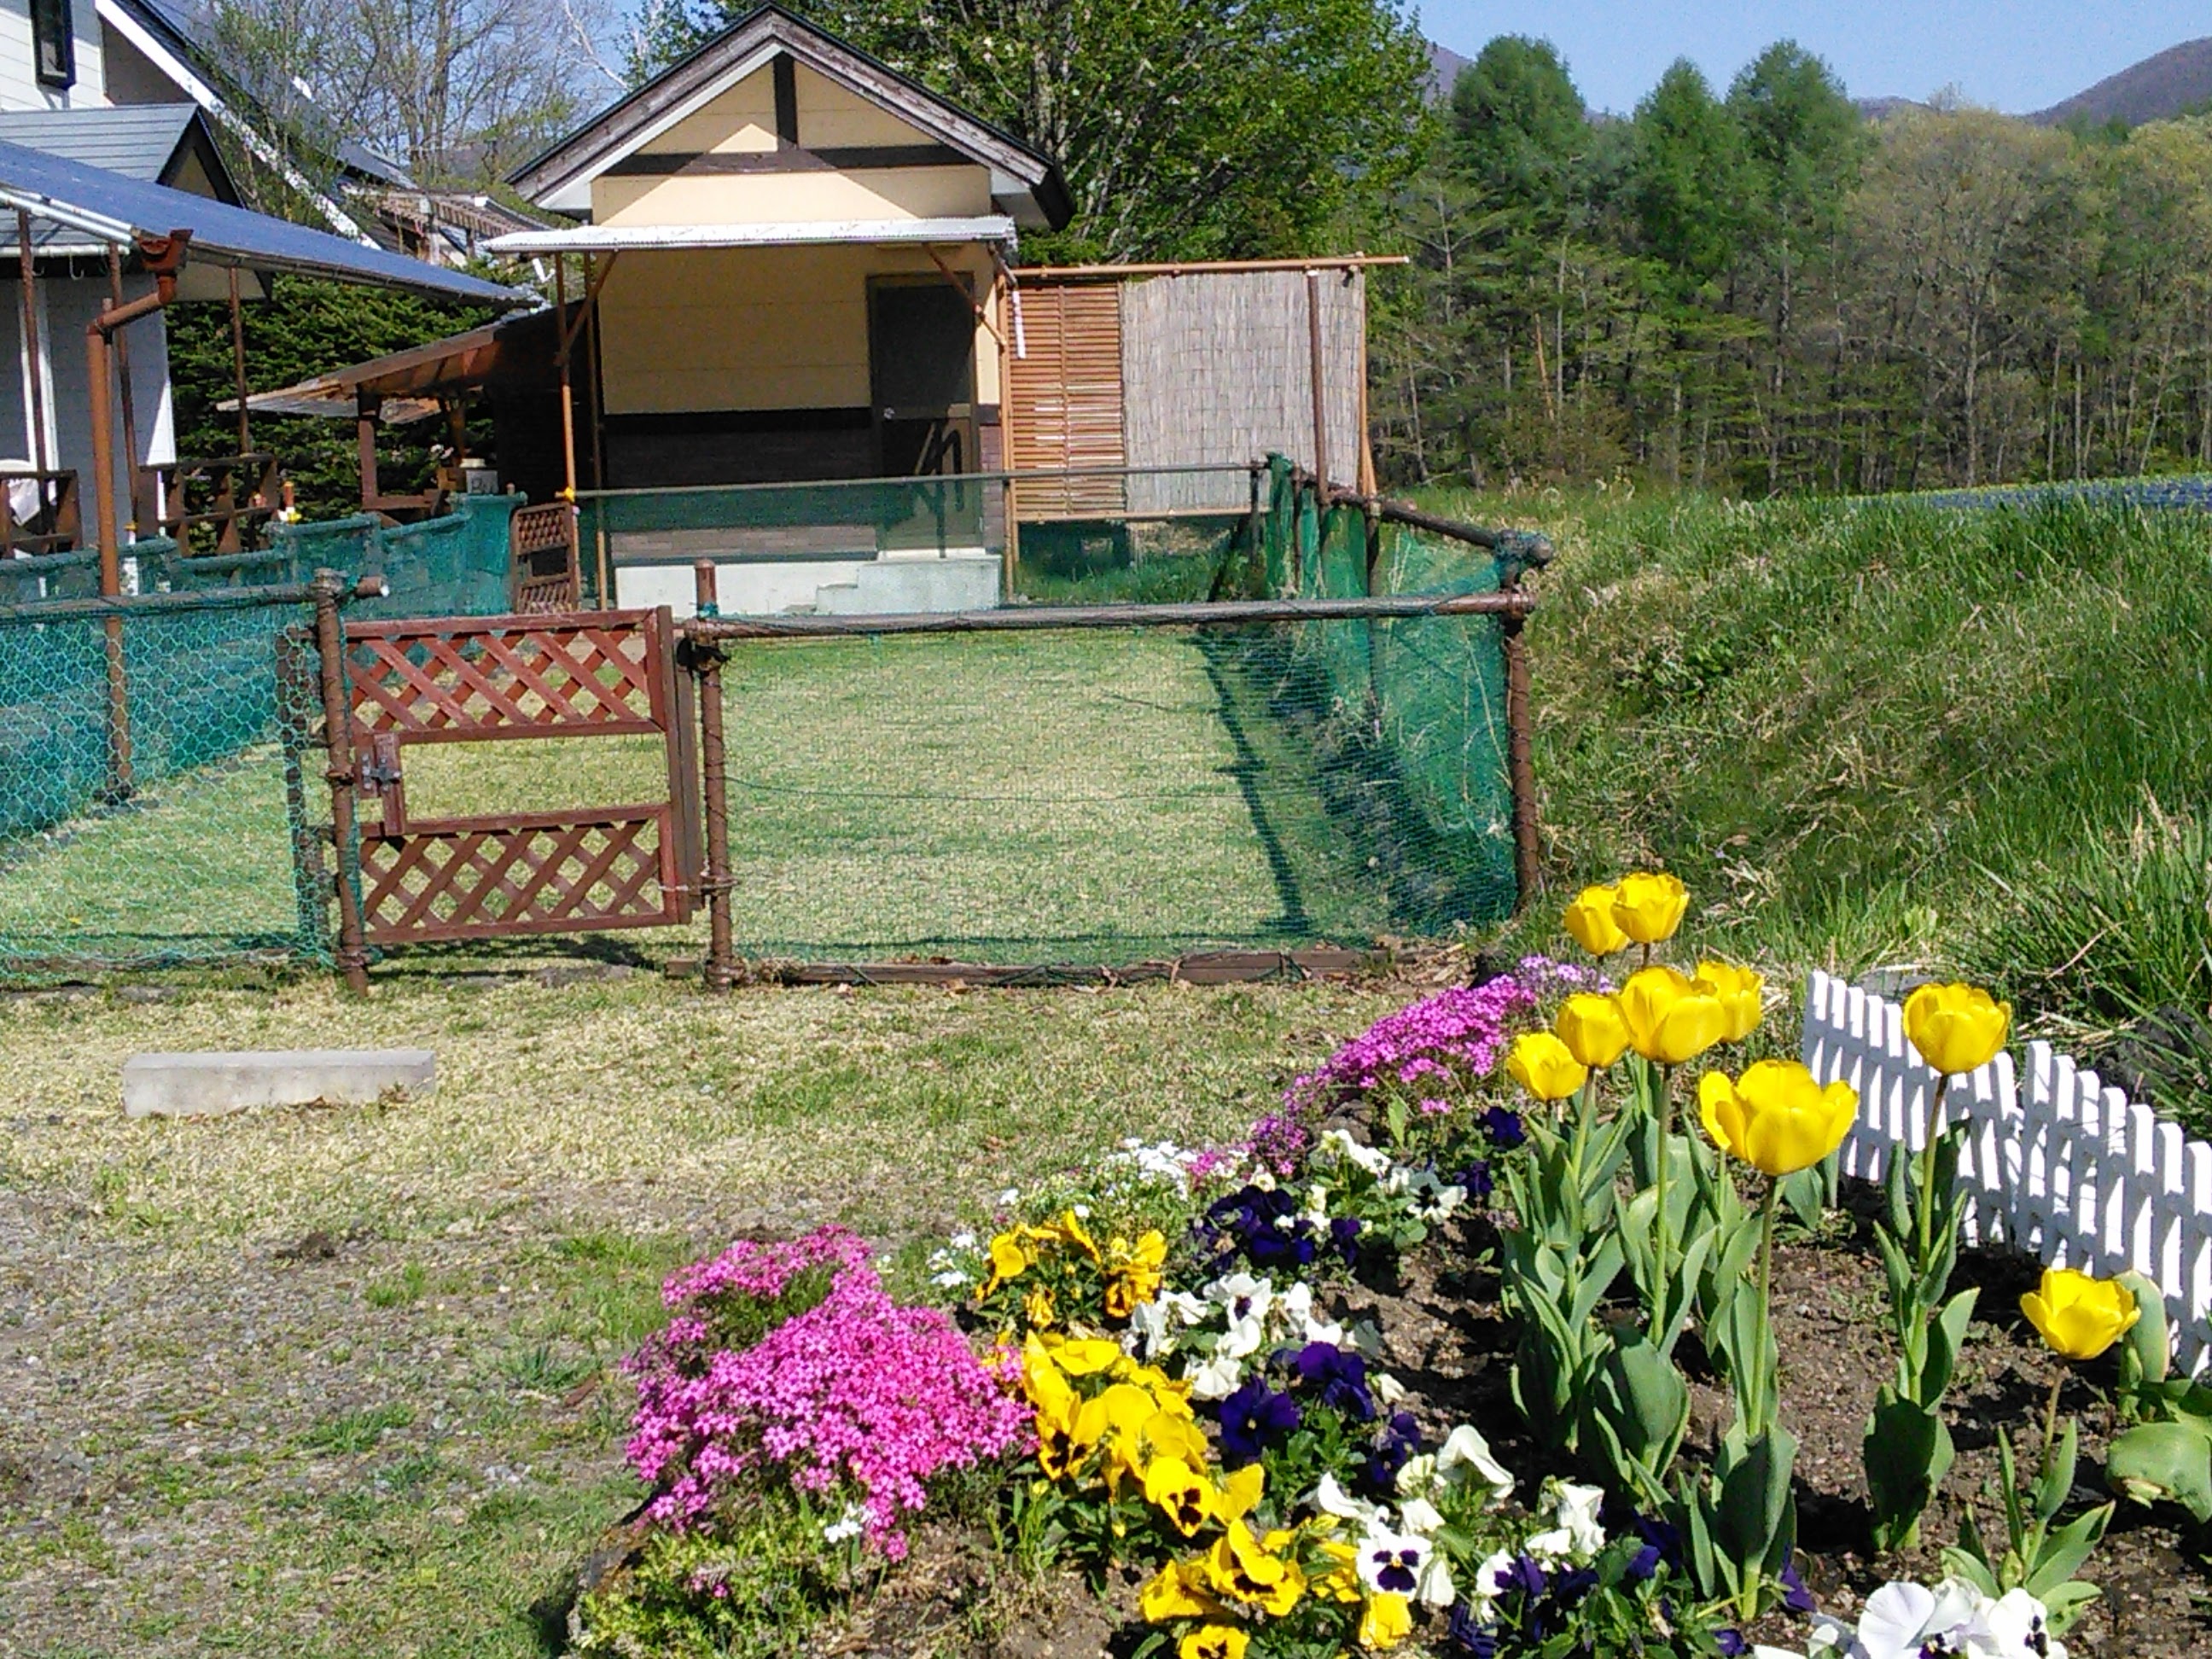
(812, 197)
(718, 329)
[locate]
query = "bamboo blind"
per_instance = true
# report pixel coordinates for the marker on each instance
(1066, 400)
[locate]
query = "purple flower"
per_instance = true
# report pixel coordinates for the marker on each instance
(1252, 1418)
(1474, 1180)
(1470, 1638)
(1400, 1440)
(1339, 1377)
(1344, 1237)
(1504, 1128)
(1730, 1642)
(1798, 1599)
(1661, 1536)
(1643, 1565)
(1522, 1574)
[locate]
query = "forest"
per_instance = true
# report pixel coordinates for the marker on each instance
(1758, 291)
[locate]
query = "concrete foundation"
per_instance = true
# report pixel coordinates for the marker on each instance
(204, 1085)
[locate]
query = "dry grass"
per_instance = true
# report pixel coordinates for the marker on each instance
(337, 1382)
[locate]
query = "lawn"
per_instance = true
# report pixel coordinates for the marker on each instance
(338, 1382)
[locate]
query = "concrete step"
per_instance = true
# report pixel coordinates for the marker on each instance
(200, 1085)
(902, 586)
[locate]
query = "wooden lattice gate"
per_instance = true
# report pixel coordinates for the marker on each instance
(587, 674)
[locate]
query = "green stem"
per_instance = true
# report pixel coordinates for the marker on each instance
(2050, 1423)
(1927, 1174)
(1764, 1342)
(1660, 1228)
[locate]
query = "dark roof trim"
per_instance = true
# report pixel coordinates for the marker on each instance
(608, 131)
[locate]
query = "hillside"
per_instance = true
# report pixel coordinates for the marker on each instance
(2157, 88)
(1444, 66)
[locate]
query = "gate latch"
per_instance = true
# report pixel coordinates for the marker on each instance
(379, 769)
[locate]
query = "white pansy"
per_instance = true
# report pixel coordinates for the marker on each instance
(1245, 1296)
(1364, 1157)
(1332, 1499)
(1464, 1457)
(1315, 1207)
(2020, 1628)
(1902, 1620)
(1217, 1379)
(1575, 1508)
(1417, 1474)
(951, 1279)
(1555, 1545)
(1388, 1390)
(1419, 1517)
(1382, 1553)
(1243, 1338)
(961, 1240)
(1293, 1313)
(1482, 1594)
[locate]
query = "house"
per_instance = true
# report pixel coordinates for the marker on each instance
(95, 174)
(797, 340)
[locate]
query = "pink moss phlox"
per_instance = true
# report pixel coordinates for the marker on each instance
(763, 1269)
(855, 1389)
(1456, 1036)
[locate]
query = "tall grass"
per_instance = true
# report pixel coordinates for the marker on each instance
(1886, 733)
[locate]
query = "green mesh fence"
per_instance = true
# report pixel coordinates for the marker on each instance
(178, 847)
(151, 785)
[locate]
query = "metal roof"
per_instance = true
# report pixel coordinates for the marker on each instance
(515, 353)
(108, 207)
(137, 140)
(611, 238)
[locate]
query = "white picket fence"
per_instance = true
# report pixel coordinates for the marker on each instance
(2066, 1169)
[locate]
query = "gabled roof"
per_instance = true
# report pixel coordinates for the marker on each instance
(1024, 182)
(150, 142)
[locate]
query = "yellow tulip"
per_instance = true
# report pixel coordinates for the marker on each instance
(1542, 1065)
(1649, 907)
(1385, 1621)
(1239, 1567)
(1589, 920)
(1776, 1117)
(1213, 1642)
(1740, 990)
(2079, 1317)
(1669, 1019)
(1593, 1030)
(1956, 1027)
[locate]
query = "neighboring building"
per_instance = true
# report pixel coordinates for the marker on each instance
(107, 132)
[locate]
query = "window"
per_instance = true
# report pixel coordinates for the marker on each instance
(53, 43)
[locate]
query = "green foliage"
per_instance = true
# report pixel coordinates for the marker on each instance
(308, 327)
(2037, 1555)
(1186, 128)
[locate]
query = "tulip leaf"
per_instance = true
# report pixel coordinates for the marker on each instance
(1907, 1453)
(2163, 1461)
(2065, 1550)
(1756, 1524)
(1805, 1193)
(2147, 1343)
(2056, 1480)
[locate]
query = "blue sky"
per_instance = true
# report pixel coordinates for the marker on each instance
(2018, 56)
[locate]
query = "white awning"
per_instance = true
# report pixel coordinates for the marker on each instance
(610, 239)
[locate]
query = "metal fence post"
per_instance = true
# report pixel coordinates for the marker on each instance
(352, 952)
(705, 661)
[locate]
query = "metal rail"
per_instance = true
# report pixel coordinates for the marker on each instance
(1223, 613)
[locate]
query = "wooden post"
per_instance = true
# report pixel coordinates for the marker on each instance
(130, 477)
(714, 791)
(31, 354)
(111, 559)
(367, 406)
(1319, 400)
(602, 571)
(1520, 765)
(238, 366)
(352, 953)
(568, 398)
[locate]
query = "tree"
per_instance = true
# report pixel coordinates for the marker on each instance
(460, 92)
(1186, 128)
(1687, 179)
(1519, 130)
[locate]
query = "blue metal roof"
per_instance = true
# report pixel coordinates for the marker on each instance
(115, 206)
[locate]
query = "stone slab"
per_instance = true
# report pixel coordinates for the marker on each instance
(202, 1084)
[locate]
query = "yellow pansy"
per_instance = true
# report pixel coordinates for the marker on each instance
(1008, 1260)
(1213, 1642)
(1669, 1019)
(1385, 1621)
(1237, 1493)
(1542, 1065)
(1593, 1030)
(1590, 922)
(1776, 1117)
(1037, 1309)
(1179, 1590)
(1084, 1356)
(1135, 1273)
(1072, 1229)
(1648, 907)
(1181, 1493)
(1741, 994)
(1341, 1582)
(1956, 1027)
(2077, 1315)
(1241, 1568)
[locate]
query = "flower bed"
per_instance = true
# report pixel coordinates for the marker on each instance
(1493, 1340)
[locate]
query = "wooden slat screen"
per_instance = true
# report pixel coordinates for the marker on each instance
(1065, 407)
